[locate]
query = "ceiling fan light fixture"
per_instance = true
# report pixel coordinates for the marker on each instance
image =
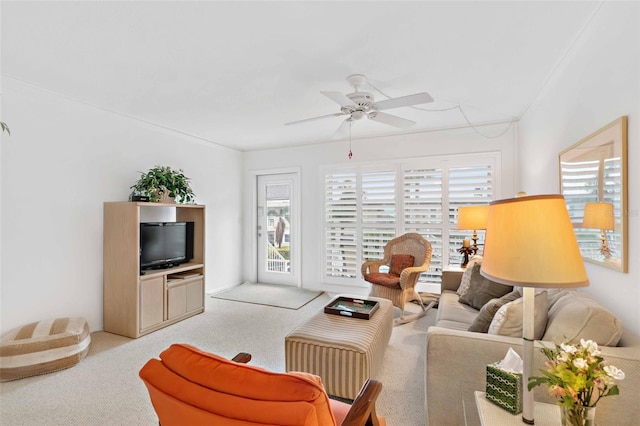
(357, 115)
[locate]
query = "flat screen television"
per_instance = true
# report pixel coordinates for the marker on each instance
(165, 244)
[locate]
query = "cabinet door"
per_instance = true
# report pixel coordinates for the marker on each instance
(195, 295)
(151, 302)
(185, 296)
(176, 300)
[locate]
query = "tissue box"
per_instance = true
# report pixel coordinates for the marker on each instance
(504, 389)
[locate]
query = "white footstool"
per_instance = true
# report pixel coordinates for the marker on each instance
(343, 351)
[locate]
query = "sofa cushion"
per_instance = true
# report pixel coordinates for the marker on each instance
(466, 275)
(481, 323)
(481, 289)
(450, 310)
(577, 315)
(400, 262)
(508, 319)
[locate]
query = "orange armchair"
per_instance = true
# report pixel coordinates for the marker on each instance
(190, 386)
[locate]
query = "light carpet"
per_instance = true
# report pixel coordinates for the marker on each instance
(281, 296)
(104, 388)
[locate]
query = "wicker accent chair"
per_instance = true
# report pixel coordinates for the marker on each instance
(399, 285)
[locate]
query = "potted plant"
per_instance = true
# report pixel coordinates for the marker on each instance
(162, 183)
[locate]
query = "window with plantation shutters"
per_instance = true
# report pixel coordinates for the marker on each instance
(367, 206)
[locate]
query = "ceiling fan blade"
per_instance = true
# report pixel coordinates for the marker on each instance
(343, 130)
(339, 98)
(415, 99)
(337, 114)
(391, 120)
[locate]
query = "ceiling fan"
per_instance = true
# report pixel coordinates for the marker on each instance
(358, 105)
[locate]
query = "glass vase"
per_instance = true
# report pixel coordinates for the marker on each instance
(578, 416)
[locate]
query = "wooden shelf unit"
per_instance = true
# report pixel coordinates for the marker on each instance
(135, 304)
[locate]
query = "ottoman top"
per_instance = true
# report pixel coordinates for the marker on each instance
(344, 332)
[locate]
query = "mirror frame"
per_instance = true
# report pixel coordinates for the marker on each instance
(609, 142)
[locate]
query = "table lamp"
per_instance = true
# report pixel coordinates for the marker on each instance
(473, 217)
(600, 216)
(551, 259)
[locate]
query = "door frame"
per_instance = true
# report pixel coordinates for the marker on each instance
(296, 239)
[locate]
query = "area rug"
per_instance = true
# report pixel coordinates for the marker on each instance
(281, 296)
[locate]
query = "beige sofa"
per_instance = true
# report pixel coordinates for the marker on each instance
(456, 359)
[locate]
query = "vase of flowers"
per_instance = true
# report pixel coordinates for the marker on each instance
(577, 376)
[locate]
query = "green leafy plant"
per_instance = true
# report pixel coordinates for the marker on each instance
(5, 128)
(162, 180)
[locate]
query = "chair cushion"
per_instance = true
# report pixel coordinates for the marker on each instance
(231, 392)
(43, 347)
(387, 280)
(400, 262)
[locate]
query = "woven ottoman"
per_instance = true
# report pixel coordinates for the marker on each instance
(43, 347)
(343, 351)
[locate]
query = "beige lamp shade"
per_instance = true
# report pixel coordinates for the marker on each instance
(598, 216)
(473, 217)
(530, 243)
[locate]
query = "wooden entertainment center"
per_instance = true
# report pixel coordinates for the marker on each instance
(136, 304)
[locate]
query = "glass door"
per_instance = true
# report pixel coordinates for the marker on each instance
(277, 229)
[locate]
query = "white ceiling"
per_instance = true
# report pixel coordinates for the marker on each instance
(234, 72)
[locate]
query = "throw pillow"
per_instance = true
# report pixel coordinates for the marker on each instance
(577, 315)
(466, 275)
(481, 289)
(400, 262)
(481, 323)
(508, 319)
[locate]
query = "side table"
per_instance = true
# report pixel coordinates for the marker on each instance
(490, 414)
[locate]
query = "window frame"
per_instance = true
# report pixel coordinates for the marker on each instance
(447, 226)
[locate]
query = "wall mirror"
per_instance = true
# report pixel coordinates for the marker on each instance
(593, 180)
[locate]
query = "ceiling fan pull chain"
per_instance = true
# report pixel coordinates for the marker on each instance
(350, 153)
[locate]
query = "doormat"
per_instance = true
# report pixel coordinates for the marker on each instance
(280, 296)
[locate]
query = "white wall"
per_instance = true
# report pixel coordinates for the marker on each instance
(61, 162)
(311, 158)
(598, 82)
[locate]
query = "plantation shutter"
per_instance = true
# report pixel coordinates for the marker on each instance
(378, 212)
(340, 227)
(423, 196)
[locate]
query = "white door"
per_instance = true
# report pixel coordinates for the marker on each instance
(277, 233)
